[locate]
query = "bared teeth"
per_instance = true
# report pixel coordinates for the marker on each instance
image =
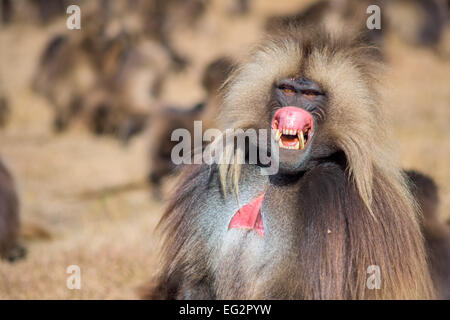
(278, 135)
(301, 140)
(300, 145)
(290, 132)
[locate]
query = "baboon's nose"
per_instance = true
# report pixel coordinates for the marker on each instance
(293, 127)
(292, 119)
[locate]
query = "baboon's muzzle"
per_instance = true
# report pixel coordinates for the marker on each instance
(293, 127)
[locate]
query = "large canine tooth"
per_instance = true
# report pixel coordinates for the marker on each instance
(297, 145)
(278, 135)
(301, 139)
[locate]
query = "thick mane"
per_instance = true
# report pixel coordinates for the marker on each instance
(356, 118)
(350, 211)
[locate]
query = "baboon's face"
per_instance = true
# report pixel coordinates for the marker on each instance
(318, 101)
(298, 106)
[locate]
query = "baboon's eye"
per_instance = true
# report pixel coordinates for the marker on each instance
(311, 94)
(287, 89)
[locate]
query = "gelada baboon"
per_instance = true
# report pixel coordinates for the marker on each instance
(9, 218)
(436, 232)
(337, 209)
(172, 118)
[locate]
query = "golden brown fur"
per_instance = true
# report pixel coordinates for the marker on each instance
(326, 225)
(342, 66)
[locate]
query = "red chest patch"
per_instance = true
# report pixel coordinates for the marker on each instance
(249, 216)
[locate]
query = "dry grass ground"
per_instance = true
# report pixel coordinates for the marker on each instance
(110, 236)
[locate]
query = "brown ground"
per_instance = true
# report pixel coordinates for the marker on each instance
(110, 236)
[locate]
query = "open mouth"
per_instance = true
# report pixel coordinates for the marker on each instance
(293, 128)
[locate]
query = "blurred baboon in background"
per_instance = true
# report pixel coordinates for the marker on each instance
(335, 15)
(161, 17)
(240, 7)
(107, 76)
(418, 22)
(41, 11)
(436, 232)
(6, 11)
(70, 66)
(49, 9)
(65, 74)
(160, 146)
(9, 218)
(172, 118)
(130, 82)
